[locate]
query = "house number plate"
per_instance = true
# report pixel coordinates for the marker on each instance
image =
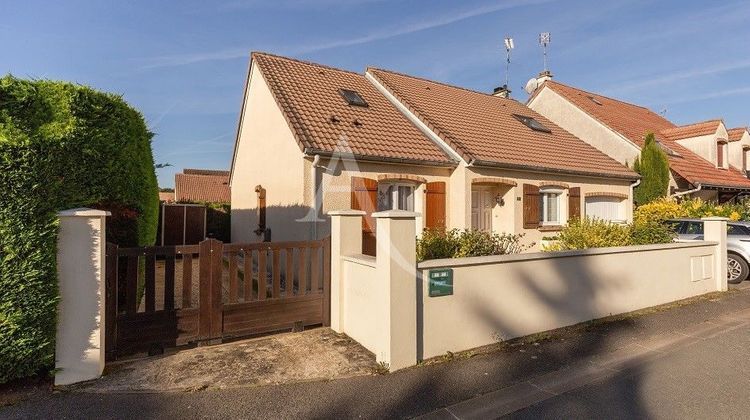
(441, 282)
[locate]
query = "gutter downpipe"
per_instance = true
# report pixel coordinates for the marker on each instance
(317, 193)
(694, 190)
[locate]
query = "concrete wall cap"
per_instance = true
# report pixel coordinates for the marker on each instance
(499, 259)
(716, 218)
(83, 212)
(395, 214)
(346, 213)
(362, 259)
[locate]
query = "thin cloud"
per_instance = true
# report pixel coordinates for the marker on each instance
(294, 4)
(712, 95)
(378, 35)
(680, 75)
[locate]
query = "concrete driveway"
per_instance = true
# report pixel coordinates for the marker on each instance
(317, 354)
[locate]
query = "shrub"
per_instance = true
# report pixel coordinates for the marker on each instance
(651, 233)
(455, 243)
(61, 146)
(653, 166)
(591, 233)
(658, 211)
(667, 208)
(595, 233)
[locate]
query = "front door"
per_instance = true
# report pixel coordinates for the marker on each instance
(481, 209)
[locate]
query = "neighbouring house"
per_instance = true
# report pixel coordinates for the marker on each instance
(312, 139)
(198, 208)
(202, 186)
(166, 196)
(706, 160)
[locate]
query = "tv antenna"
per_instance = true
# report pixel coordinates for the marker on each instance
(509, 45)
(544, 40)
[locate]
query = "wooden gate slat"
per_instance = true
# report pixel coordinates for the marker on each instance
(110, 329)
(169, 281)
(204, 295)
(150, 281)
(247, 275)
(314, 270)
(187, 280)
(233, 286)
(131, 285)
(289, 273)
(276, 275)
(262, 274)
(302, 271)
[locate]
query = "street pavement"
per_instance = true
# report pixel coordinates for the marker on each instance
(686, 361)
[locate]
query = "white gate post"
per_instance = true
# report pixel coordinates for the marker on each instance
(396, 268)
(346, 239)
(715, 230)
(79, 345)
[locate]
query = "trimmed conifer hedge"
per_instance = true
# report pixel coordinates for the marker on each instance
(61, 146)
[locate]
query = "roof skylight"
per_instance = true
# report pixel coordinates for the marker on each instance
(594, 100)
(532, 123)
(352, 98)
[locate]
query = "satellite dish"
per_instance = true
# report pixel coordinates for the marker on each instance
(531, 85)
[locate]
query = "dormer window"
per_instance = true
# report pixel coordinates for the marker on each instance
(721, 150)
(532, 123)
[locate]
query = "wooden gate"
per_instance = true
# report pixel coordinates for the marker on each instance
(168, 296)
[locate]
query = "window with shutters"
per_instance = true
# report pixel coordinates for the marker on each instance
(721, 148)
(395, 196)
(550, 203)
(611, 209)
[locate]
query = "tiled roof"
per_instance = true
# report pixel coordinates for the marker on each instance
(322, 121)
(166, 196)
(634, 122)
(482, 128)
(189, 171)
(735, 134)
(691, 130)
(202, 188)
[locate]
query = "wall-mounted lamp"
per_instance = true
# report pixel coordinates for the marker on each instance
(499, 200)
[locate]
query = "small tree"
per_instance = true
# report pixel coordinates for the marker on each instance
(653, 166)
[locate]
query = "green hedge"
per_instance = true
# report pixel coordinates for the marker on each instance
(61, 146)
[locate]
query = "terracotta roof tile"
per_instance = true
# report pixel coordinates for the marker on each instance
(202, 188)
(691, 130)
(188, 171)
(483, 128)
(634, 122)
(735, 134)
(323, 121)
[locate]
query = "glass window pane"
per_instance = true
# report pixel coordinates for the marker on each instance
(405, 197)
(552, 207)
(385, 197)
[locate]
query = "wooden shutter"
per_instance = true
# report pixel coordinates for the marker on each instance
(435, 212)
(530, 206)
(574, 203)
(365, 198)
(720, 154)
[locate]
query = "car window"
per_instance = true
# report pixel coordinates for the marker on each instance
(694, 228)
(737, 230)
(675, 225)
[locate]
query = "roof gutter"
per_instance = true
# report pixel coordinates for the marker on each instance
(694, 190)
(358, 157)
(475, 162)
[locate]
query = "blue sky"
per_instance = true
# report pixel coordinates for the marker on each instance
(183, 63)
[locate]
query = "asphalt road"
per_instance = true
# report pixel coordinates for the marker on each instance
(705, 379)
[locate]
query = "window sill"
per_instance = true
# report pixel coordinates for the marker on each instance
(550, 228)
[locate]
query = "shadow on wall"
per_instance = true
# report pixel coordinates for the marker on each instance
(283, 223)
(423, 393)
